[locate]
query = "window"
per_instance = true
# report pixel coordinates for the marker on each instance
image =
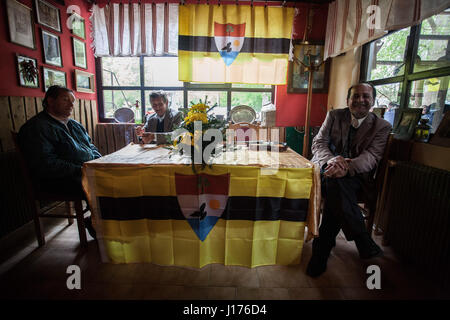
(126, 81)
(410, 68)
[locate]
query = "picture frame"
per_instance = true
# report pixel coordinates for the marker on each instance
(442, 134)
(53, 77)
(298, 76)
(84, 81)
(20, 23)
(379, 112)
(47, 15)
(406, 123)
(78, 26)
(51, 46)
(27, 71)
(79, 53)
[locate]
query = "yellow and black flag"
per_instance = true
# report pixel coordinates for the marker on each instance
(234, 43)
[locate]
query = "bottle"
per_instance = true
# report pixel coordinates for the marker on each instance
(422, 132)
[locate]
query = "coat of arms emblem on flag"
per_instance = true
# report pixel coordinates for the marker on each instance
(202, 199)
(229, 39)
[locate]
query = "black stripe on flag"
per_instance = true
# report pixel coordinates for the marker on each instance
(256, 45)
(238, 208)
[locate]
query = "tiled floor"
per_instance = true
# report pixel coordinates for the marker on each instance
(27, 271)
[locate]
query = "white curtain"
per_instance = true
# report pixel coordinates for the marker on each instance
(121, 29)
(352, 23)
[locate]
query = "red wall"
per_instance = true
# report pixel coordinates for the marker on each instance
(9, 83)
(291, 107)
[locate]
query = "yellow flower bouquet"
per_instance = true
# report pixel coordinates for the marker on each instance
(190, 133)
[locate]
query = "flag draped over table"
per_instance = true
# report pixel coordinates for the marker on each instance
(202, 199)
(234, 43)
(148, 213)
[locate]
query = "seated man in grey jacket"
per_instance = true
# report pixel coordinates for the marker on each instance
(347, 148)
(163, 120)
(55, 146)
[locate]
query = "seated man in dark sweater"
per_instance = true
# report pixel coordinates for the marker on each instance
(348, 147)
(163, 120)
(55, 146)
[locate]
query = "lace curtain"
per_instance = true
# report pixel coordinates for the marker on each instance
(122, 29)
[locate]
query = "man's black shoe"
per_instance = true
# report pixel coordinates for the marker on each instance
(317, 265)
(367, 247)
(89, 227)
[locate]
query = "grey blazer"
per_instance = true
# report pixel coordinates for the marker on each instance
(368, 143)
(171, 120)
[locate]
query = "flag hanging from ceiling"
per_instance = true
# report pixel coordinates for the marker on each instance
(234, 43)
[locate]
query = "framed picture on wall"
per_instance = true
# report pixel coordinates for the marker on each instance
(20, 22)
(298, 76)
(47, 15)
(84, 81)
(78, 26)
(79, 53)
(52, 49)
(27, 70)
(406, 124)
(53, 77)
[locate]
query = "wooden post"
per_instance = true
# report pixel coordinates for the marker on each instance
(308, 112)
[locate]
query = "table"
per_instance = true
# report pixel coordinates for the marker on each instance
(145, 206)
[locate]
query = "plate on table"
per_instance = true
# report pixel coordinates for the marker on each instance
(242, 114)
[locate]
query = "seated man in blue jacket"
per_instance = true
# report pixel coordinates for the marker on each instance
(55, 146)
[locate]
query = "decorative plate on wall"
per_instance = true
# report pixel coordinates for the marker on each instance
(123, 115)
(242, 114)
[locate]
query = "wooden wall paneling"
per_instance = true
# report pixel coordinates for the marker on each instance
(101, 143)
(129, 134)
(30, 107)
(17, 112)
(16, 208)
(282, 134)
(39, 106)
(262, 134)
(87, 105)
(76, 110)
(119, 135)
(94, 115)
(6, 143)
(135, 138)
(110, 141)
(274, 134)
(82, 113)
(269, 133)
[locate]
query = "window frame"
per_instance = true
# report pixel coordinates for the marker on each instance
(187, 86)
(409, 76)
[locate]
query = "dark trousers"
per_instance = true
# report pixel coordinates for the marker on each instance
(341, 211)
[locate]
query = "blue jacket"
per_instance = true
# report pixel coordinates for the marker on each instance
(52, 151)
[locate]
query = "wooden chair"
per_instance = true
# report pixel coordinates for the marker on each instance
(369, 199)
(241, 134)
(372, 200)
(35, 196)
